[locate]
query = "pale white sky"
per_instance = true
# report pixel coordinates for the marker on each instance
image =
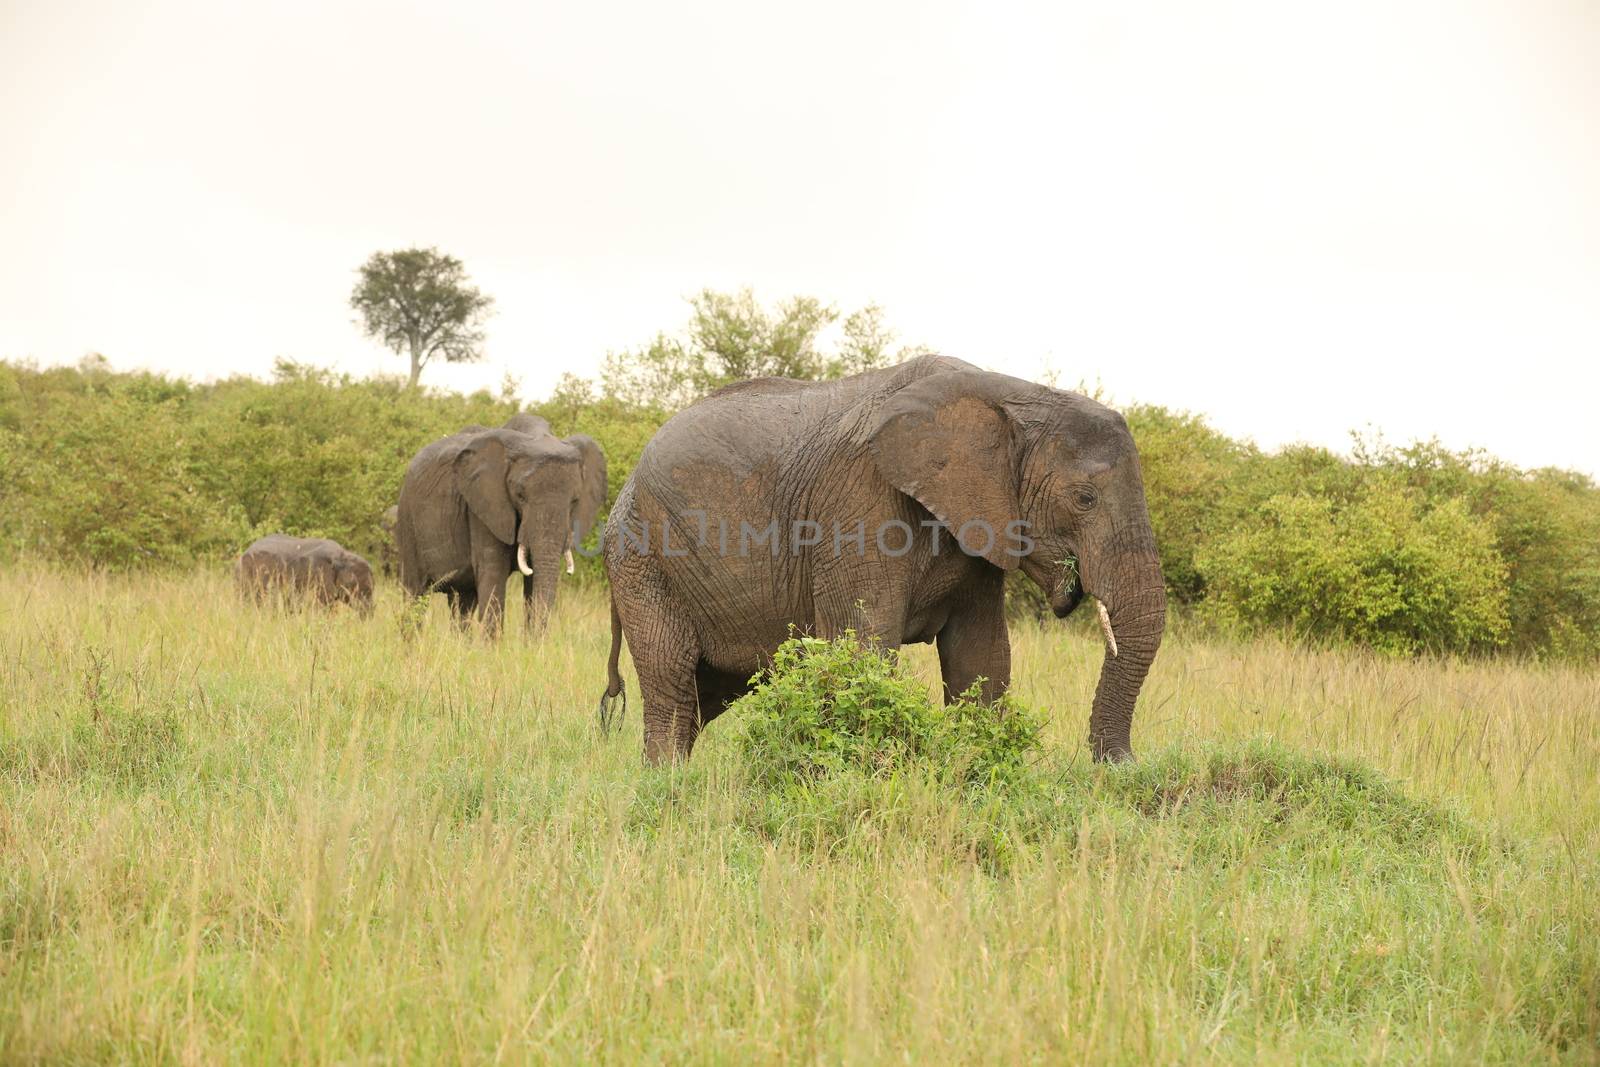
(1297, 219)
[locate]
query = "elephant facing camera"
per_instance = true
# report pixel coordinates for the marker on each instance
(482, 504)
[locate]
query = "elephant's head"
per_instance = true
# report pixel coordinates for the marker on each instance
(536, 494)
(1049, 481)
(352, 582)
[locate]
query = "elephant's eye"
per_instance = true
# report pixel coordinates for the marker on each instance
(1083, 498)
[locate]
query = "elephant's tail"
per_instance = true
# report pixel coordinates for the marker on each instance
(611, 713)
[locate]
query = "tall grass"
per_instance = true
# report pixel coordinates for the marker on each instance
(230, 834)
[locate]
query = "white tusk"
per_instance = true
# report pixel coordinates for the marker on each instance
(569, 561)
(1105, 628)
(522, 560)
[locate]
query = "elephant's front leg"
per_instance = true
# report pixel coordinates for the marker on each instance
(491, 595)
(974, 642)
(492, 564)
(463, 603)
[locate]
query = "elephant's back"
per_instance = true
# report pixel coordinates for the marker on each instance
(273, 547)
(751, 424)
(287, 546)
(738, 429)
(270, 560)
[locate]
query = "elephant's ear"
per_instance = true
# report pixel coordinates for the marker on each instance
(592, 491)
(945, 442)
(481, 477)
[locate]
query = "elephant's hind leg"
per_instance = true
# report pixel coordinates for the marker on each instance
(665, 652)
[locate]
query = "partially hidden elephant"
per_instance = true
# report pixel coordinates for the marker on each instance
(388, 556)
(893, 503)
(482, 503)
(311, 568)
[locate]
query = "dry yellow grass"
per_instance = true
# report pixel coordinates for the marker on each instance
(240, 835)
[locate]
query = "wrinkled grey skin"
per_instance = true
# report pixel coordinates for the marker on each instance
(933, 440)
(470, 499)
(312, 568)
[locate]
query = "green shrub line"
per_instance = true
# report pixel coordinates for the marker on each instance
(1406, 550)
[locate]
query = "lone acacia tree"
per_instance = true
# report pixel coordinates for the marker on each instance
(419, 301)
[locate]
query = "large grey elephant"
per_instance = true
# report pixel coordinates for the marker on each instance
(314, 568)
(892, 502)
(482, 503)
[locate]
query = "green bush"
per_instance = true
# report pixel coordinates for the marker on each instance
(1546, 527)
(1385, 571)
(829, 707)
(114, 485)
(314, 454)
(1209, 497)
(137, 470)
(842, 749)
(1194, 477)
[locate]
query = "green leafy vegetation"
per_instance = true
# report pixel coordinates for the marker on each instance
(825, 707)
(1384, 570)
(731, 336)
(1402, 548)
(128, 471)
(1407, 550)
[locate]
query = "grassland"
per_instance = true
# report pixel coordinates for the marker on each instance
(237, 835)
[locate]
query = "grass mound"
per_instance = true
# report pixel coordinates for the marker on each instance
(1339, 795)
(841, 751)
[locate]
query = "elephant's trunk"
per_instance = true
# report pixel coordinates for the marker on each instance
(540, 558)
(1133, 614)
